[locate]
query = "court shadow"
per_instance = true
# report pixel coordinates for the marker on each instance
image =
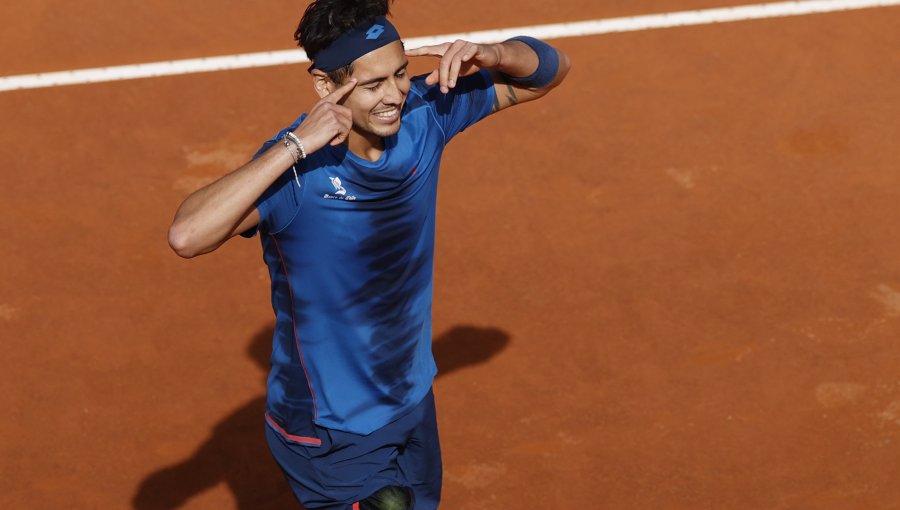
(236, 453)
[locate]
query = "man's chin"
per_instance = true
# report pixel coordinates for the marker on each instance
(384, 130)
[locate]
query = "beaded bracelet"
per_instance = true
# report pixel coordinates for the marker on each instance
(298, 143)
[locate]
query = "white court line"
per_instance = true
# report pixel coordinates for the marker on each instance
(551, 31)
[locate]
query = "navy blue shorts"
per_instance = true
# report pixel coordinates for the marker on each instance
(348, 468)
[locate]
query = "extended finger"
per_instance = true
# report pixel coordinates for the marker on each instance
(423, 51)
(463, 55)
(340, 92)
(446, 60)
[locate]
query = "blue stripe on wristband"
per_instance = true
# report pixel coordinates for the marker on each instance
(548, 64)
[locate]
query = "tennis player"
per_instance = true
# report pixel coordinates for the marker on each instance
(344, 202)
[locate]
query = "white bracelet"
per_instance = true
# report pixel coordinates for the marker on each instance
(297, 142)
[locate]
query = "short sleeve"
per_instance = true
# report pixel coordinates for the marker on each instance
(280, 203)
(467, 103)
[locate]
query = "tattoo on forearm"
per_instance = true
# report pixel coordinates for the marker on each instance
(510, 96)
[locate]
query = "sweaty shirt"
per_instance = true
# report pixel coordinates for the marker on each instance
(349, 244)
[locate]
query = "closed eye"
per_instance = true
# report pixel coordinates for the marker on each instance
(373, 84)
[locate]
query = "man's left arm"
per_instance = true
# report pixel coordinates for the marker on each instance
(523, 68)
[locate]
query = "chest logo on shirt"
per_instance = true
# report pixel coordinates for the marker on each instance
(339, 192)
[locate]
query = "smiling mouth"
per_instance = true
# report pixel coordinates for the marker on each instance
(387, 116)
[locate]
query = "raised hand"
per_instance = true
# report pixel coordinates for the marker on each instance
(459, 58)
(328, 122)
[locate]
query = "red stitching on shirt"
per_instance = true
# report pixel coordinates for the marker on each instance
(294, 322)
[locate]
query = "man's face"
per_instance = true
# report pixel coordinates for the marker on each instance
(381, 89)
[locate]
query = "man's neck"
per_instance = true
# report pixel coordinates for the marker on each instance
(365, 145)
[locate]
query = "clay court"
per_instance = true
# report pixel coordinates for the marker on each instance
(674, 283)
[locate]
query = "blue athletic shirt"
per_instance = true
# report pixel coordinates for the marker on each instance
(349, 245)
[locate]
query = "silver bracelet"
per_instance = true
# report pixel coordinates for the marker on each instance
(297, 142)
(290, 147)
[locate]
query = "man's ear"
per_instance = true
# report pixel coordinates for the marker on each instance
(322, 83)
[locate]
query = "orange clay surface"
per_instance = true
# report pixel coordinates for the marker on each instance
(673, 283)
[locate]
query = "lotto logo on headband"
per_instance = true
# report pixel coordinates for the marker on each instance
(374, 32)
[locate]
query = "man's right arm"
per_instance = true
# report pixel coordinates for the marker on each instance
(219, 211)
(215, 213)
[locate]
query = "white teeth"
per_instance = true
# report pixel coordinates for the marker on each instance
(387, 114)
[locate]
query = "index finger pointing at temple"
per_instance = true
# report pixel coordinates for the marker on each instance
(341, 92)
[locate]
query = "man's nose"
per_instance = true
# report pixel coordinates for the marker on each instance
(392, 94)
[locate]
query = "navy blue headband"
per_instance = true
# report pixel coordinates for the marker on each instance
(355, 43)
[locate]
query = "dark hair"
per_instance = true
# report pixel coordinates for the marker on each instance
(325, 20)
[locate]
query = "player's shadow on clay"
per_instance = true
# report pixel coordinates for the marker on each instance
(236, 453)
